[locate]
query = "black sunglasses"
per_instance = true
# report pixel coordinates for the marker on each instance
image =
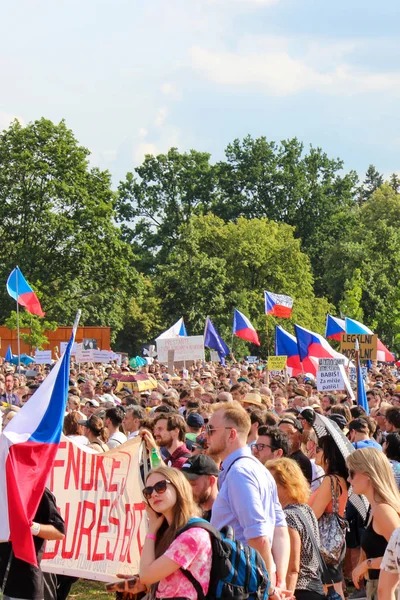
(160, 487)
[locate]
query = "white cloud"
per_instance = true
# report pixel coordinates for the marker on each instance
(168, 88)
(7, 118)
(268, 64)
(161, 116)
(142, 133)
(142, 149)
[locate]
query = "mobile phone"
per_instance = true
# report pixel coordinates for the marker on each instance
(122, 585)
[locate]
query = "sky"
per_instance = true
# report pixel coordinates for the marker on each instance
(132, 77)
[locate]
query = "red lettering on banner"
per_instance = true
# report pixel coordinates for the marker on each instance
(113, 487)
(87, 485)
(100, 529)
(125, 554)
(86, 530)
(113, 521)
(128, 466)
(99, 467)
(141, 508)
(73, 464)
(65, 553)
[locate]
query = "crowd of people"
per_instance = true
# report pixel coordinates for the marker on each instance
(236, 446)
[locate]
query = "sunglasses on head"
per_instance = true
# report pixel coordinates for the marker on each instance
(160, 487)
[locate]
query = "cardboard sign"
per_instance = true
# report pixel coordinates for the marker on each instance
(43, 357)
(63, 347)
(214, 356)
(99, 497)
(102, 356)
(185, 348)
(276, 363)
(368, 346)
(353, 374)
(330, 376)
(252, 359)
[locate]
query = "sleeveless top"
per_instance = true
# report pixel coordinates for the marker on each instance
(342, 498)
(374, 545)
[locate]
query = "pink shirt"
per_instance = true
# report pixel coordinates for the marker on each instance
(191, 550)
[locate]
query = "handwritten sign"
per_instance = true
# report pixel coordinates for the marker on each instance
(276, 363)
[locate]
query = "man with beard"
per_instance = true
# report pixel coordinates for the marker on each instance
(169, 435)
(202, 474)
(248, 498)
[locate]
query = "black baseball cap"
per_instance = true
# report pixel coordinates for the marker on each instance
(198, 465)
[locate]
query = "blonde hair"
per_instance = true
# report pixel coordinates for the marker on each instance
(374, 464)
(290, 477)
(185, 507)
(236, 415)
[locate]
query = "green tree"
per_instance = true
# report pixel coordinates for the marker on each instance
(350, 305)
(165, 191)
(36, 338)
(373, 180)
(217, 266)
(57, 223)
(394, 182)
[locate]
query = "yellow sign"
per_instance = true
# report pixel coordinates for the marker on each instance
(276, 363)
(368, 346)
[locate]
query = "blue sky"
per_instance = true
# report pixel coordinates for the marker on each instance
(137, 76)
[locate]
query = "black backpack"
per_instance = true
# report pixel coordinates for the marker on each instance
(238, 572)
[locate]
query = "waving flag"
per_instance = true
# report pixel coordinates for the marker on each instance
(213, 340)
(361, 393)
(177, 330)
(313, 346)
(21, 291)
(383, 354)
(9, 355)
(278, 305)
(334, 328)
(357, 328)
(286, 345)
(28, 448)
(242, 328)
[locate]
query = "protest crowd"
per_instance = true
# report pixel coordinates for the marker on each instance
(239, 447)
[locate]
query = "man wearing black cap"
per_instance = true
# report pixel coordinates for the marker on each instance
(294, 429)
(202, 474)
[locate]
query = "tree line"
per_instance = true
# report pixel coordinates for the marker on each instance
(182, 235)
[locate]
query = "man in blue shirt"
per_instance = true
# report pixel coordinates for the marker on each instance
(248, 499)
(359, 435)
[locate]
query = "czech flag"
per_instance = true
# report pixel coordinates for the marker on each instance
(278, 305)
(28, 448)
(286, 345)
(334, 328)
(357, 328)
(313, 346)
(21, 291)
(178, 329)
(242, 328)
(383, 354)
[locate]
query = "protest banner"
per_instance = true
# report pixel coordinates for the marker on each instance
(353, 374)
(276, 363)
(63, 346)
(368, 346)
(99, 497)
(43, 357)
(214, 356)
(83, 355)
(102, 356)
(252, 359)
(185, 348)
(329, 375)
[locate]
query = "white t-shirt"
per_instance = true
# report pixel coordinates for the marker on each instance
(391, 558)
(116, 439)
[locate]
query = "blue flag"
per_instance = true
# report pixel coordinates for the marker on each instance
(9, 355)
(213, 340)
(361, 393)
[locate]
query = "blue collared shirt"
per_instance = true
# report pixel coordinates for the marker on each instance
(248, 498)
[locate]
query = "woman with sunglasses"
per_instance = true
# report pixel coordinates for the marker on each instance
(170, 507)
(370, 474)
(336, 473)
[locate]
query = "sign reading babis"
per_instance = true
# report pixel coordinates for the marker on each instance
(99, 496)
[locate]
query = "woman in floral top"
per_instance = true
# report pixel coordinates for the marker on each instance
(171, 506)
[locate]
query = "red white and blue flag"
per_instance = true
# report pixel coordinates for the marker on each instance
(313, 346)
(28, 448)
(383, 354)
(286, 345)
(355, 327)
(335, 327)
(278, 305)
(242, 328)
(21, 291)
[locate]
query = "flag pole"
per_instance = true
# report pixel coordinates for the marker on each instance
(18, 338)
(266, 341)
(357, 361)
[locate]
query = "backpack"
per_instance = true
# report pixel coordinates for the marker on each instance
(238, 572)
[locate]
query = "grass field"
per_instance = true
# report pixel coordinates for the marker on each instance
(92, 590)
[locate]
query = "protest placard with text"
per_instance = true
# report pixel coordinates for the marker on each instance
(276, 363)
